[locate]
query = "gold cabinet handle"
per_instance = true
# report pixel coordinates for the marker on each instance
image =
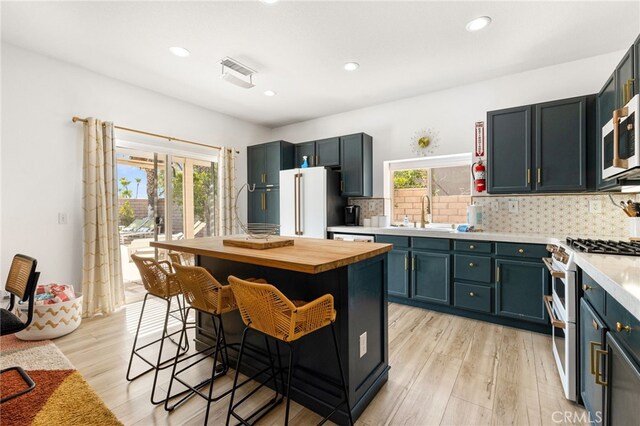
(539, 175)
(620, 327)
(497, 274)
(592, 358)
(598, 373)
(471, 264)
(341, 185)
(520, 250)
(528, 176)
(586, 287)
(406, 262)
(264, 201)
(472, 294)
(413, 263)
(471, 247)
(617, 161)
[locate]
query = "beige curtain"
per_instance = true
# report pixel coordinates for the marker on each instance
(102, 285)
(226, 223)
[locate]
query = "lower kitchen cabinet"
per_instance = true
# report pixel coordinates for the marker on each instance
(264, 206)
(431, 276)
(398, 265)
(520, 287)
(472, 296)
(592, 335)
(622, 384)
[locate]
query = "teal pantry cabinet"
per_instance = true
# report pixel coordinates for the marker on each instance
(356, 165)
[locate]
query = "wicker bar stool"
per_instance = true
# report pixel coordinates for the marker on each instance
(203, 293)
(264, 309)
(159, 281)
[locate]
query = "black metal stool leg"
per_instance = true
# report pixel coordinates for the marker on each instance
(289, 377)
(183, 333)
(344, 382)
(135, 340)
(155, 375)
(219, 339)
(235, 379)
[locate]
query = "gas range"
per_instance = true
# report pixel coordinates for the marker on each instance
(586, 245)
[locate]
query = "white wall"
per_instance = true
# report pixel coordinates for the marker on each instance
(454, 111)
(41, 163)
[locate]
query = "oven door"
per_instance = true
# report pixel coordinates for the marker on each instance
(563, 336)
(563, 284)
(621, 153)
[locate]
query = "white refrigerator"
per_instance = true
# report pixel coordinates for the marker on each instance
(310, 201)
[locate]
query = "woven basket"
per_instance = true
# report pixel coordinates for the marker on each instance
(51, 321)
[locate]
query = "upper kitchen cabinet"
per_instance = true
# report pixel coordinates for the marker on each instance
(625, 78)
(356, 153)
(636, 66)
(542, 148)
(305, 149)
(561, 145)
(265, 161)
(605, 104)
(328, 152)
(509, 150)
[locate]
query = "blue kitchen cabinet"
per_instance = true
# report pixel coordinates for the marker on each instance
(356, 157)
(520, 287)
(398, 273)
(431, 277)
(605, 104)
(592, 338)
(305, 149)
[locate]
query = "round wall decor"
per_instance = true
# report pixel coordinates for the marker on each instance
(424, 142)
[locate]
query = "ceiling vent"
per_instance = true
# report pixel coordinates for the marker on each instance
(229, 64)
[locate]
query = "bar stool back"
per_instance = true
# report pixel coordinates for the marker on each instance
(266, 310)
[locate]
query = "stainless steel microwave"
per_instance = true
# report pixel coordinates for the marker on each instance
(621, 142)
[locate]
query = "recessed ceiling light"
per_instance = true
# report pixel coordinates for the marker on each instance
(351, 66)
(478, 23)
(269, 1)
(269, 93)
(179, 51)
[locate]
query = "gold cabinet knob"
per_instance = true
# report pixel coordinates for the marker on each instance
(520, 250)
(471, 265)
(586, 287)
(471, 247)
(620, 327)
(472, 294)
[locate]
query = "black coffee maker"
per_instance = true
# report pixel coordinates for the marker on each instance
(352, 215)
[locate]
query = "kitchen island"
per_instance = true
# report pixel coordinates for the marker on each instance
(354, 273)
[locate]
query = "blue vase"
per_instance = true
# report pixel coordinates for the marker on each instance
(305, 164)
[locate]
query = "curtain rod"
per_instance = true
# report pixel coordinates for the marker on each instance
(156, 135)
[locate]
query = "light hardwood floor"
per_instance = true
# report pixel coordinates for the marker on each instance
(445, 370)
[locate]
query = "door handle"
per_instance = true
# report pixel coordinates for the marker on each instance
(406, 262)
(300, 231)
(341, 185)
(413, 263)
(598, 353)
(617, 115)
(539, 175)
(497, 274)
(528, 176)
(555, 322)
(295, 204)
(592, 358)
(263, 200)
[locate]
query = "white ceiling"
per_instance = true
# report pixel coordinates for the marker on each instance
(299, 48)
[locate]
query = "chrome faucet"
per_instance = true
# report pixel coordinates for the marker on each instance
(423, 219)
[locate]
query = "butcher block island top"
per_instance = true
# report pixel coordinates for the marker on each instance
(308, 255)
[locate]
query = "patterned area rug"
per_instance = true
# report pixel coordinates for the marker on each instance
(61, 395)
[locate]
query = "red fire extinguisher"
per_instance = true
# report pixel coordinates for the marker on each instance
(478, 172)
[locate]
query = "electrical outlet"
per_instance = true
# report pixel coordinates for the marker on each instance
(595, 206)
(372, 205)
(62, 218)
(513, 206)
(363, 344)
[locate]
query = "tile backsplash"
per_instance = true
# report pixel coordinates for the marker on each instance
(562, 215)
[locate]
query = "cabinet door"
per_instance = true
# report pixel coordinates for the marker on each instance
(272, 205)
(431, 277)
(509, 150)
(636, 66)
(273, 164)
(605, 104)
(592, 329)
(255, 206)
(624, 79)
(328, 152)
(519, 290)
(398, 273)
(561, 145)
(256, 162)
(302, 149)
(356, 165)
(623, 385)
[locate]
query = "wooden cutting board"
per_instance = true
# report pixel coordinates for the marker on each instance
(258, 244)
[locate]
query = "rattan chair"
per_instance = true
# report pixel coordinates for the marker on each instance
(160, 281)
(202, 292)
(21, 283)
(264, 309)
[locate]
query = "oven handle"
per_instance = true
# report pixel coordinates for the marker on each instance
(617, 115)
(555, 322)
(554, 273)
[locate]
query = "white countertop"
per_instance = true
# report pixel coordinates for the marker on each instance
(618, 275)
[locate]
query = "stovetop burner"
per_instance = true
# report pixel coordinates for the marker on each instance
(625, 248)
